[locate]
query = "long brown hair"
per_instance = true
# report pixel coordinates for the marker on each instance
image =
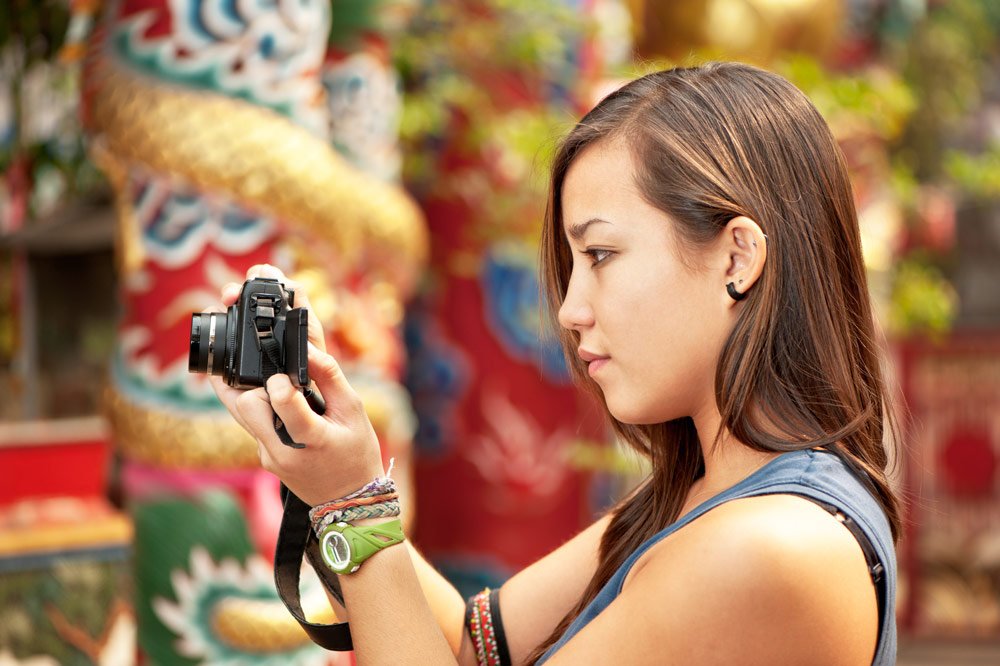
(801, 368)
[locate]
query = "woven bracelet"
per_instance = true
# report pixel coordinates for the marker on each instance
(388, 509)
(380, 485)
(318, 512)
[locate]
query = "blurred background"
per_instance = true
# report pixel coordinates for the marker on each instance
(391, 155)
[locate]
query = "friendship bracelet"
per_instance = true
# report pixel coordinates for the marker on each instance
(324, 509)
(388, 509)
(378, 486)
(381, 510)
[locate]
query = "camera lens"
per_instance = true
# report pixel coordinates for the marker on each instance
(208, 342)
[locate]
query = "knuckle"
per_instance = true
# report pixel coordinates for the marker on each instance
(280, 396)
(244, 402)
(330, 367)
(313, 433)
(269, 271)
(355, 402)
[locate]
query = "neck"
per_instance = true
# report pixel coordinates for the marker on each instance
(728, 460)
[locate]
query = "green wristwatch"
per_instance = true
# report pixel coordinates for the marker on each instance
(344, 547)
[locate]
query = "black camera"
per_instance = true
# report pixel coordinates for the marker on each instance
(260, 335)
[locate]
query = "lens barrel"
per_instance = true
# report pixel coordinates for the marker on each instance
(208, 342)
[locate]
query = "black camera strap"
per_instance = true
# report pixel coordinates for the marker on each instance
(271, 361)
(295, 539)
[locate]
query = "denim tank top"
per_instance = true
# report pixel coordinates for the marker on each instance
(817, 475)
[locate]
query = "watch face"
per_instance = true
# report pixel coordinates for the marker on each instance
(336, 551)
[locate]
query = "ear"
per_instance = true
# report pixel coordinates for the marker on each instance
(745, 247)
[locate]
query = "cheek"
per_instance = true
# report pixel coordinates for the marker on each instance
(668, 348)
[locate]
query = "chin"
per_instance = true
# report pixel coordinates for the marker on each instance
(631, 413)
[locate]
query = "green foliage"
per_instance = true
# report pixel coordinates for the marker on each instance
(487, 88)
(944, 56)
(923, 301)
(875, 101)
(979, 175)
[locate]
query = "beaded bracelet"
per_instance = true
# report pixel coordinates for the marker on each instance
(485, 627)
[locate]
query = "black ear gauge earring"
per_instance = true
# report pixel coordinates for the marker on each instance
(735, 295)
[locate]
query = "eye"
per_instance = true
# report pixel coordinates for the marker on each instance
(597, 255)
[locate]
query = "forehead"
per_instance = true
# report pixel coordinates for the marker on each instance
(600, 184)
(600, 170)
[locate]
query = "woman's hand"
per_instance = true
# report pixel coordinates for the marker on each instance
(342, 451)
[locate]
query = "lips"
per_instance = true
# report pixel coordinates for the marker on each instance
(594, 361)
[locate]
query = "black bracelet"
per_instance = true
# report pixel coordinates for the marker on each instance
(498, 628)
(485, 627)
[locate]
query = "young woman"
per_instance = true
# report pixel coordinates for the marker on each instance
(702, 255)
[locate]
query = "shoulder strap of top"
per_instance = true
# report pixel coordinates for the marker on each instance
(875, 568)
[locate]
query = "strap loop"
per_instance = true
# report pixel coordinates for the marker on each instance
(295, 539)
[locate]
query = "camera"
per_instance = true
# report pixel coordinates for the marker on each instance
(260, 335)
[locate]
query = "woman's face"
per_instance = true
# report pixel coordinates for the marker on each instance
(650, 327)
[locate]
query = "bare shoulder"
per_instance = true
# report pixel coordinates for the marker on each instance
(777, 576)
(764, 580)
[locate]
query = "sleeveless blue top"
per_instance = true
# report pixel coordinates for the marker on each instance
(818, 475)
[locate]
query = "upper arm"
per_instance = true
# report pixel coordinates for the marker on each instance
(766, 580)
(534, 601)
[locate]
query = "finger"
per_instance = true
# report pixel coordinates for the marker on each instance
(230, 293)
(265, 458)
(227, 396)
(254, 407)
(342, 402)
(301, 423)
(302, 301)
(265, 271)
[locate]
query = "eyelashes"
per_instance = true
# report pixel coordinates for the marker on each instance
(597, 256)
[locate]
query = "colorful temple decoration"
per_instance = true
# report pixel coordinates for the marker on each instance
(239, 132)
(65, 583)
(230, 132)
(489, 87)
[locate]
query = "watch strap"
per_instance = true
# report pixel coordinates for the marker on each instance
(364, 541)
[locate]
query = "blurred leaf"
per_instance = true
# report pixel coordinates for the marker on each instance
(977, 174)
(923, 301)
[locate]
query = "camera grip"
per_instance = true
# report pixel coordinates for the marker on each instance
(315, 402)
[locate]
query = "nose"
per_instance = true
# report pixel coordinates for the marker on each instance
(575, 312)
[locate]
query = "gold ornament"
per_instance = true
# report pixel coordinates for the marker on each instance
(750, 30)
(265, 161)
(262, 625)
(176, 440)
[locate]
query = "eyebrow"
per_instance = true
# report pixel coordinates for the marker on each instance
(577, 231)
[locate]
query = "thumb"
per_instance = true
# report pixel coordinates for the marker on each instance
(342, 401)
